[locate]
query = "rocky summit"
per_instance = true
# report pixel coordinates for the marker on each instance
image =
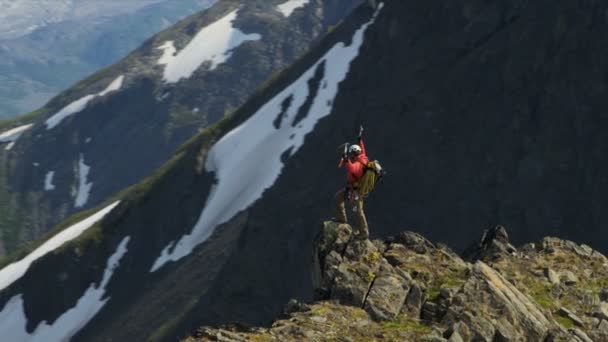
(406, 288)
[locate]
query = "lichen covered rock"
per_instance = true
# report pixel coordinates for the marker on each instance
(406, 288)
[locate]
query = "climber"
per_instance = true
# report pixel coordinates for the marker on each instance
(355, 159)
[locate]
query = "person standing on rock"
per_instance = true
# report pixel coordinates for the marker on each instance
(354, 158)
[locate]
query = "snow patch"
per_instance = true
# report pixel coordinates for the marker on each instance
(13, 321)
(80, 104)
(12, 135)
(114, 86)
(84, 187)
(48, 181)
(16, 270)
(238, 185)
(289, 6)
(214, 44)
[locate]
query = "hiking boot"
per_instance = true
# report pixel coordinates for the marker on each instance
(361, 235)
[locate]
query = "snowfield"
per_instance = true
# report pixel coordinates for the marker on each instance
(16, 270)
(13, 321)
(238, 185)
(289, 6)
(80, 104)
(84, 187)
(48, 181)
(214, 44)
(12, 135)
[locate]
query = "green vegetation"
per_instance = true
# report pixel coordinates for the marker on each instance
(8, 217)
(161, 333)
(32, 245)
(453, 278)
(537, 288)
(372, 258)
(407, 324)
(22, 119)
(564, 321)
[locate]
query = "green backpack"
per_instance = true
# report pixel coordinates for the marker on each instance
(371, 176)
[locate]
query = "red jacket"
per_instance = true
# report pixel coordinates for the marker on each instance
(355, 170)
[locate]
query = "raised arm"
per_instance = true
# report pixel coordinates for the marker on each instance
(362, 146)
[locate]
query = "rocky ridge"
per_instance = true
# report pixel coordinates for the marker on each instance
(407, 288)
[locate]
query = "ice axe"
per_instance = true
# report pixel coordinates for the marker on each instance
(344, 148)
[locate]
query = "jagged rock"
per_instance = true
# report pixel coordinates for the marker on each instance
(430, 311)
(551, 276)
(489, 296)
(455, 337)
(589, 298)
(295, 306)
(481, 328)
(569, 314)
(600, 311)
(415, 242)
(603, 327)
(414, 300)
(329, 246)
(447, 293)
(396, 255)
(580, 335)
(355, 273)
(493, 245)
(568, 278)
(352, 281)
(457, 332)
(603, 295)
(504, 332)
(506, 302)
(387, 294)
(551, 244)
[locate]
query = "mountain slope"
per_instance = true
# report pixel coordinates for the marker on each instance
(168, 299)
(454, 111)
(112, 129)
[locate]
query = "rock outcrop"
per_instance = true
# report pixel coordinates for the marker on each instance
(406, 288)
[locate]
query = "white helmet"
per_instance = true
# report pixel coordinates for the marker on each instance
(354, 149)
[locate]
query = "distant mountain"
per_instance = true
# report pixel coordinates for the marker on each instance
(45, 46)
(115, 127)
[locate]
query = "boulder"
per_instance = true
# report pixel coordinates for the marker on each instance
(551, 275)
(415, 299)
(493, 245)
(387, 293)
(568, 278)
(569, 314)
(600, 311)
